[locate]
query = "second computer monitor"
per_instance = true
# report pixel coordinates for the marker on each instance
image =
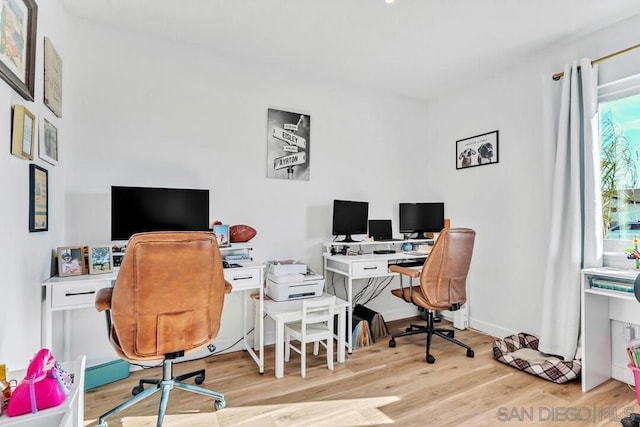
(421, 218)
(349, 218)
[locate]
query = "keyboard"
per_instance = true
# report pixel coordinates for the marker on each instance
(384, 251)
(380, 239)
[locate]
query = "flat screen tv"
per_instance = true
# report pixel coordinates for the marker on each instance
(141, 209)
(349, 218)
(421, 218)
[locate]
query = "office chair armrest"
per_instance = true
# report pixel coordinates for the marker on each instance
(404, 270)
(103, 299)
(227, 287)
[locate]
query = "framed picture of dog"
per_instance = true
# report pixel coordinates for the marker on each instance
(479, 150)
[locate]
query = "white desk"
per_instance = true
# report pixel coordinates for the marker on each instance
(291, 311)
(75, 292)
(366, 266)
(598, 308)
(69, 414)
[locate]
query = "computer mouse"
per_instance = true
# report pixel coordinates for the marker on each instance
(225, 264)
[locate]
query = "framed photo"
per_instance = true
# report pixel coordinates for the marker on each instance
(288, 145)
(22, 132)
(477, 150)
(48, 150)
(52, 78)
(38, 198)
(70, 261)
(222, 234)
(100, 259)
(18, 22)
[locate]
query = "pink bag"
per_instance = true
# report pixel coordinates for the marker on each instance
(45, 385)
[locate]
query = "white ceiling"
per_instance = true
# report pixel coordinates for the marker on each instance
(416, 48)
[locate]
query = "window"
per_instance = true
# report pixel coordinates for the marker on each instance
(619, 112)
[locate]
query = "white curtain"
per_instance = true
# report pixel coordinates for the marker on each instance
(575, 228)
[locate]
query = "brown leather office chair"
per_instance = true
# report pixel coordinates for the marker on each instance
(442, 286)
(166, 302)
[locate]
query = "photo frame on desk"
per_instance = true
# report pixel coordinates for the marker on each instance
(222, 234)
(100, 259)
(70, 261)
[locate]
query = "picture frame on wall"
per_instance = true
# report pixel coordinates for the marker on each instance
(52, 78)
(70, 261)
(100, 259)
(222, 234)
(38, 198)
(288, 145)
(23, 132)
(479, 150)
(18, 26)
(48, 150)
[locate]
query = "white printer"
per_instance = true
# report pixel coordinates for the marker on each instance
(292, 283)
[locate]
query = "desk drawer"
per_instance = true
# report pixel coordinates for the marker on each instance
(243, 278)
(75, 294)
(369, 268)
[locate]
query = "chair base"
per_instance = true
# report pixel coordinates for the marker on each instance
(166, 384)
(430, 330)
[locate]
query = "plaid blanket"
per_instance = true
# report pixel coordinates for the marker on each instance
(552, 368)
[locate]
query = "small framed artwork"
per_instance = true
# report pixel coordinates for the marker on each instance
(22, 133)
(48, 150)
(222, 234)
(477, 150)
(38, 198)
(52, 78)
(100, 259)
(18, 20)
(70, 261)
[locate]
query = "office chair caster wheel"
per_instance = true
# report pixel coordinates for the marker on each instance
(199, 379)
(392, 343)
(470, 353)
(450, 334)
(408, 330)
(430, 359)
(137, 389)
(220, 404)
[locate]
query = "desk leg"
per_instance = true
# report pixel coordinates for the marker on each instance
(341, 332)
(279, 347)
(350, 314)
(256, 347)
(259, 331)
(47, 320)
(66, 352)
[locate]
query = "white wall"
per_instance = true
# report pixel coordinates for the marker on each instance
(154, 113)
(25, 257)
(506, 203)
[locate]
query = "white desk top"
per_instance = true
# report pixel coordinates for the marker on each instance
(294, 307)
(376, 257)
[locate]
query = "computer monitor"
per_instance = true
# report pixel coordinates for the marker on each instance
(142, 209)
(349, 218)
(421, 218)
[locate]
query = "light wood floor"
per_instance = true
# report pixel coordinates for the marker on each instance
(377, 385)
